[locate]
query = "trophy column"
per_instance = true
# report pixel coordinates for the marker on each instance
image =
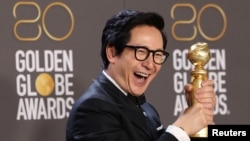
(198, 55)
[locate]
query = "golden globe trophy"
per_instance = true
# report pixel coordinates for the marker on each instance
(198, 55)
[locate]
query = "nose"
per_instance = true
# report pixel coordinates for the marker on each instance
(149, 62)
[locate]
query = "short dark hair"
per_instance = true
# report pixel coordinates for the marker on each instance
(117, 30)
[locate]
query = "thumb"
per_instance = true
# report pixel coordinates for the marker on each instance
(188, 89)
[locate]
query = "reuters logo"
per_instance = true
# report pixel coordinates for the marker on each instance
(45, 84)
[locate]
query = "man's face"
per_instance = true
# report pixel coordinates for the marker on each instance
(132, 75)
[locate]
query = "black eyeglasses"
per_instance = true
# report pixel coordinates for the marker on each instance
(142, 53)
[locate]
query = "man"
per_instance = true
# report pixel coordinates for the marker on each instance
(114, 107)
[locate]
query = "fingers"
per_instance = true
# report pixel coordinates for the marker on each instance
(206, 94)
(206, 116)
(208, 83)
(208, 99)
(209, 115)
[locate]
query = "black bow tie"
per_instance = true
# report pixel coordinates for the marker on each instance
(138, 100)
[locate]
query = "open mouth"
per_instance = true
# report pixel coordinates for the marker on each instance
(141, 75)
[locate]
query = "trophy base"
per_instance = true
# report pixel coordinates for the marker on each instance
(199, 138)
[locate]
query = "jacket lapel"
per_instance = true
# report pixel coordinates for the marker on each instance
(128, 108)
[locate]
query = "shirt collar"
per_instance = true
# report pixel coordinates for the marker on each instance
(113, 81)
(138, 100)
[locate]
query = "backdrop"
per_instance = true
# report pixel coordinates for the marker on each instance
(50, 53)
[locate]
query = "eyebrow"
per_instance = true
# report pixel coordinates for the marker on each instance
(145, 47)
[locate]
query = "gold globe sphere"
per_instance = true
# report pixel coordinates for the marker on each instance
(199, 54)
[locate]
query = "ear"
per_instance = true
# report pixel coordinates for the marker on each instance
(110, 52)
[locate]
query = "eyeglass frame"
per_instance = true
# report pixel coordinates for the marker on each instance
(149, 51)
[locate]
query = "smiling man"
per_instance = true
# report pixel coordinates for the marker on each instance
(114, 107)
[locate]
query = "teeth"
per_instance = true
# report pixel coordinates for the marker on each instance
(142, 74)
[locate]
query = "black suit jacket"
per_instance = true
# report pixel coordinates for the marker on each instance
(104, 113)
